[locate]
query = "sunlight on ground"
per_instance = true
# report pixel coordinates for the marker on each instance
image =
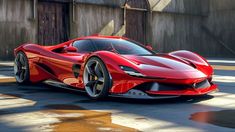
(222, 61)
(221, 100)
(222, 67)
(9, 101)
(6, 63)
(224, 79)
(7, 79)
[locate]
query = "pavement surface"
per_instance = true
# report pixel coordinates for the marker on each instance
(40, 107)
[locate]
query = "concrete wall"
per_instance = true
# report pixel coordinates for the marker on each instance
(16, 25)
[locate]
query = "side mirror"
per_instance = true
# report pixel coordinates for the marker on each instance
(149, 47)
(70, 49)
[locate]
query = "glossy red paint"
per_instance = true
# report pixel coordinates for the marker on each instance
(179, 67)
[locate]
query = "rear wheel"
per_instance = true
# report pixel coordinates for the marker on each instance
(96, 78)
(21, 68)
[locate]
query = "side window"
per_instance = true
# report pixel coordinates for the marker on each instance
(83, 46)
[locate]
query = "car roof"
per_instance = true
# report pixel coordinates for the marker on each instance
(101, 37)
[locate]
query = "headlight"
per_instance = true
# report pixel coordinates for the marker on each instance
(131, 71)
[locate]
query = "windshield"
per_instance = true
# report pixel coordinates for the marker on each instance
(121, 46)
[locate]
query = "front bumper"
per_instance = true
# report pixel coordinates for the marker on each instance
(188, 91)
(148, 93)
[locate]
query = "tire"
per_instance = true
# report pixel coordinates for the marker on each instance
(96, 78)
(21, 68)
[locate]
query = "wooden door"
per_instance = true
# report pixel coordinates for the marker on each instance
(53, 22)
(136, 26)
(136, 20)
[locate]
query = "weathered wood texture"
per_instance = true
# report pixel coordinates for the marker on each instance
(53, 23)
(173, 24)
(141, 4)
(221, 22)
(91, 19)
(136, 20)
(136, 25)
(184, 31)
(173, 32)
(194, 7)
(113, 3)
(16, 26)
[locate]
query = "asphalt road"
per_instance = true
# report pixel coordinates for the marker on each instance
(45, 108)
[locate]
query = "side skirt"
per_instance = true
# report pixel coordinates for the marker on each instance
(62, 85)
(132, 94)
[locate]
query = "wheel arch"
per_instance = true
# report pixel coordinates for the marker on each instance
(108, 84)
(32, 53)
(189, 56)
(194, 58)
(18, 63)
(112, 61)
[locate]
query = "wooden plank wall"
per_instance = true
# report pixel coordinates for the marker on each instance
(91, 19)
(194, 7)
(221, 22)
(174, 32)
(16, 26)
(178, 28)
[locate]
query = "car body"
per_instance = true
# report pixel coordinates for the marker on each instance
(125, 73)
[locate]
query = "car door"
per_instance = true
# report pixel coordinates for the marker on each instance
(66, 65)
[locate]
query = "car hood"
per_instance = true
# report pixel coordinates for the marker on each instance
(165, 67)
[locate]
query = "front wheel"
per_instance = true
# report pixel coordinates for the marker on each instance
(21, 68)
(96, 78)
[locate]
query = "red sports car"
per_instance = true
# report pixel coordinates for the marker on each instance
(116, 66)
